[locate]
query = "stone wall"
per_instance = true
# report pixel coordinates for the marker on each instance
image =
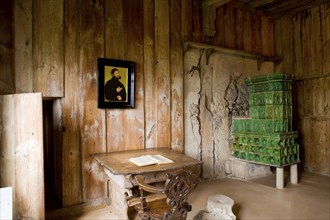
(214, 92)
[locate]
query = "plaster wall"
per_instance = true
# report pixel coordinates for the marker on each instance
(214, 92)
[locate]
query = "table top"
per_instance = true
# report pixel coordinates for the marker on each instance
(118, 162)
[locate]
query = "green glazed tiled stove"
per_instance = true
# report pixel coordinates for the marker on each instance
(266, 137)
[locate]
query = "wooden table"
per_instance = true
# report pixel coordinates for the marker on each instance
(121, 173)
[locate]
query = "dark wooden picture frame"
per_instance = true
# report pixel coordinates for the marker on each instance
(115, 83)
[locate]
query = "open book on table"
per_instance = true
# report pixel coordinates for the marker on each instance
(146, 160)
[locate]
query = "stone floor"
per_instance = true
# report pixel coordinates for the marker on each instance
(258, 199)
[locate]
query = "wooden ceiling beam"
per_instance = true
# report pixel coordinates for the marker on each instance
(216, 3)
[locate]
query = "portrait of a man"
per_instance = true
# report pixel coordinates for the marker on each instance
(115, 87)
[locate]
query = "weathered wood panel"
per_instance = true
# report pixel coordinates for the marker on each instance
(23, 144)
(325, 27)
(71, 149)
(318, 160)
(247, 31)
(115, 49)
(162, 71)
(133, 9)
(92, 121)
(305, 35)
(176, 76)
(29, 160)
(243, 30)
(23, 46)
(197, 28)
(7, 149)
(315, 37)
(149, 74)
(7, 84)
(48, 47)
(186, 19)
(309, 63)
(256, 33)
(298, 59)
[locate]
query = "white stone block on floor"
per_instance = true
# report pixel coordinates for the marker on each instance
(218, 207)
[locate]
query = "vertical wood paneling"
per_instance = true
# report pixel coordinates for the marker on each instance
(229, 28)
(114, 48)
(299, 96)
(239, 30)
(278, 43)
(177, 131)
(318, 96)
(29, 159)
(256, 33)
(186, 18)
(29, 172)
(134, 51)
(298, 63)
(7, 78)
(23, 46)
(305, 137)
(327, 147)
(48, 47)
(92, 119)
(162, 71)
(219, 37)
(7, 149)
(306, 44)
(265, 49)
(247, 31)
(308, 98)
(326, 107)
(71, 151)
(287, 46)
(149, 74)
(309, 41)
(197, 28)
(316, 50)
(319, 162)
(325, 27)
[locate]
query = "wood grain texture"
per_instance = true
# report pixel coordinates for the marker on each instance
(176, 70)
(7, 150)
(48, 54)
(325, 44)
(71, 112)
(149, 74)
(29, 159)
(309, 60)
(298, 61)
(316, 40)
(23, 46)
(162, 71)
(115, 49)
(22, 160)
(134, 135)
(186, 18)
(92, 119)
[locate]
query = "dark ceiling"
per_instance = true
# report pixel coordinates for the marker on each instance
(278, 8)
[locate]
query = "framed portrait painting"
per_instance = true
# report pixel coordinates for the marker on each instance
(115, 83)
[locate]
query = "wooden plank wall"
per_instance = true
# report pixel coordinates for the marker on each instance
(303, 40)
(245, 30)
(7, 84)
(21, 154)
(58, 44)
